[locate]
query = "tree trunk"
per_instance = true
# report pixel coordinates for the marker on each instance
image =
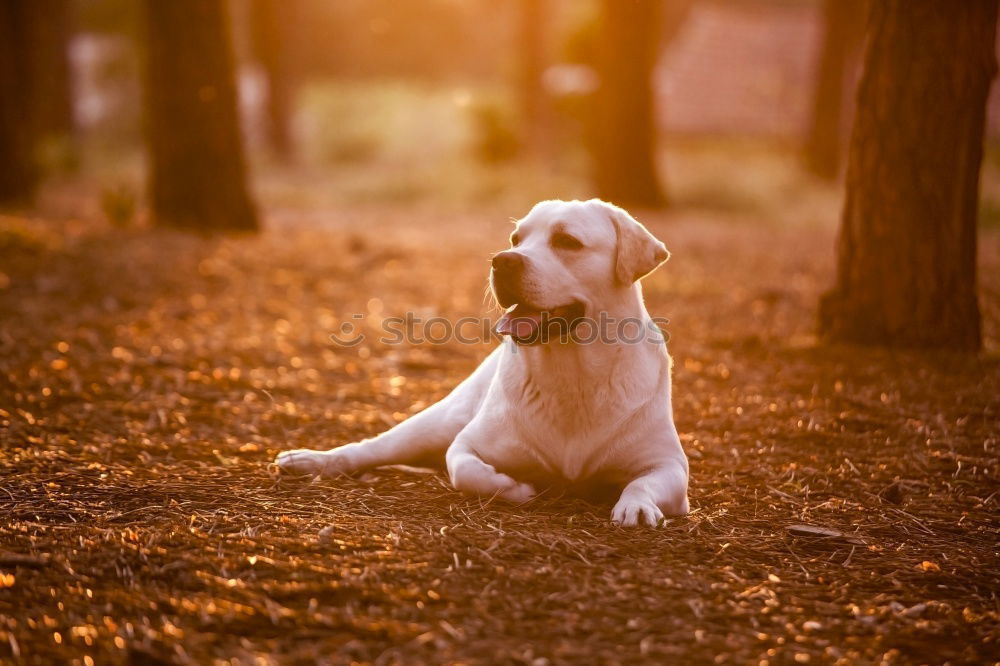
(531, 93)
(18, 173)
(197, 177)
(843, 22)
(625, 128)
(36, 104)
(51, 27)
(906, 272)
(271, 25)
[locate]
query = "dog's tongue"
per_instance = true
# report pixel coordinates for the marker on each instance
(519, 322)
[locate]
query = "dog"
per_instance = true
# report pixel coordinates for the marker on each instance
(562, 402)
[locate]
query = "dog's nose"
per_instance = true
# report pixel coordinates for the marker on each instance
(508, 262)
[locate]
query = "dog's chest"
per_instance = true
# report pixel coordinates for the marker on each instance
(570, 433)
(577, 419)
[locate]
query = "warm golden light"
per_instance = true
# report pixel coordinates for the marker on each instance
(280, 381)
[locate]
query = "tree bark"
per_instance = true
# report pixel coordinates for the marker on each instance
(843, 31)
(906, 273)
(197, 172)
(625, 128)
(271, 24)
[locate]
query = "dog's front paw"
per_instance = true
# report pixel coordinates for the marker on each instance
(519, 493)
(324, 463)
(636, 511)
(471, 475)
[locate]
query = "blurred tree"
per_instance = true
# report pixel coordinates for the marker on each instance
(624, 125)
(273, 25)
(36, 110)
(531, 64)
(197, 172)
(843, 31)
(18, 173)
(906, 272)
(51, 27)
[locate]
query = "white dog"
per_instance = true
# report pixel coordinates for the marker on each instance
(578, 396)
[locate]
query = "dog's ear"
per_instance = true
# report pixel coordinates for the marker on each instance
(637, 252)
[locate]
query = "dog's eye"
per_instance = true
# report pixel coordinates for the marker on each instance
(565, 242)
(515, 240)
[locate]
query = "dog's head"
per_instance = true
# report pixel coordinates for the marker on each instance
(568, 260)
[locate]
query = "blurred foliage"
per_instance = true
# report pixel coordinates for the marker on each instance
(427, 134)
(494, 131)
(119, 205)
(745, 175)
(400, 122)
(404, 141)
(401, 141)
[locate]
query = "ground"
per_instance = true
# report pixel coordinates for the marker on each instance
(148, 378)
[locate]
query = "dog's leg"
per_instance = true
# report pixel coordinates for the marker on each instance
(661, 490)
(420, 437)
(471, 474)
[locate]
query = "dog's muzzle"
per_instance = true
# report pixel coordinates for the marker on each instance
(525, 323)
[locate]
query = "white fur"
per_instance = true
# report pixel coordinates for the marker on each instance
(565, 411)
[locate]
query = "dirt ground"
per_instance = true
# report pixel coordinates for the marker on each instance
(147, 379)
